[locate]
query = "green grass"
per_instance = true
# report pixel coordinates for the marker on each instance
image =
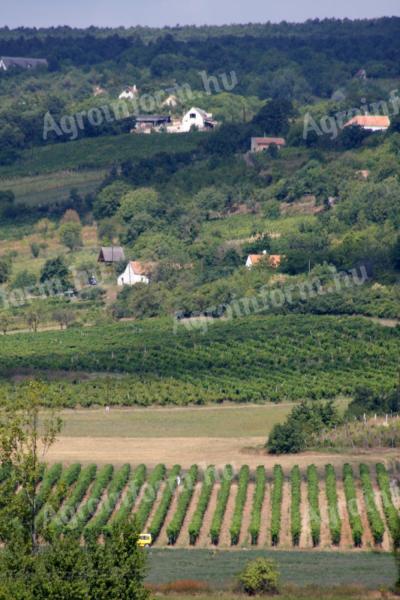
(243, 226)
(230, 421)
(97, 153)
(218, 569)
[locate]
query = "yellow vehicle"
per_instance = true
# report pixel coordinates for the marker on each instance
(145, 540)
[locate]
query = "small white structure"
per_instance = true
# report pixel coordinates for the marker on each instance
(135, 272)
(199, 118)
(129, 93)
(171, 101)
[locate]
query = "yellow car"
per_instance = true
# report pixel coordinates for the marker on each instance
(145, 540)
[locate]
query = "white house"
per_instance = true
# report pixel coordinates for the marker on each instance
(135, 272)
(129, 93)
(197, 117)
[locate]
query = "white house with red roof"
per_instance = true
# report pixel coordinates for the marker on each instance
(258, 144)
(135, 272)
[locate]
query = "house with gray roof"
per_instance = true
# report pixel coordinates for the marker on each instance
(10, 62)
(111, 255)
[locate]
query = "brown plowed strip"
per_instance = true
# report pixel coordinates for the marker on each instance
(323, 507)
(225, 537)
(163, 538)
(346, 540)
(244, 539)
(264, 539)
(183, 540)
(285, 538)
(204, 537)
(305, 538)
(368, 539)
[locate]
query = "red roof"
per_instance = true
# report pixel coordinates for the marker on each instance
(274, 260)
(140, 268)
(369, 121)
(267, 141)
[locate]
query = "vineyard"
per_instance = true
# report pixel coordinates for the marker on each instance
(356, 507)
(251, 359)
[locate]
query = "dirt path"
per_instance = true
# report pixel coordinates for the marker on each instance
(346, 540)
(244, 539)
(183, 540)
(285, 538)
(187, 451)
(204, 537)
(323, 507)
(305, 538)
(225, 537)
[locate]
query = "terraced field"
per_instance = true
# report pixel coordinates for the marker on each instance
(351, 508)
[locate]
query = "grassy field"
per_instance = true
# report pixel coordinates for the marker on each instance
(229, 421)
(300, 568)
(97, 153)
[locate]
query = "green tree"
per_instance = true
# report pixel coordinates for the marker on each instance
(5, 270)
(56, 271)
(71, 235)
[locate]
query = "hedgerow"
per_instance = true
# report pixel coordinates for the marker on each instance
(175, 526)
(258, 501)
(391, 514)
(50, 478)
(240, 501)
(222, 500)
(72, 502)
(313, 502)
(352, 508)
(335, 523)
(134, 487)
(85, 512)
(95, 527)
(295, 480)
(276, 504)
(56, 498)
(204, 500)
(166, 499)
(150, 496)
(376, 523)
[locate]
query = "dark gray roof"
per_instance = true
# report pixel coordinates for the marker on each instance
(23, 63)
(111, 254)
(153, 119)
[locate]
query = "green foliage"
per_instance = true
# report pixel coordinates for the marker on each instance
(222, 501)
(260, 576)
(24, 279)
(367, 401)
(374, 518)
(241, 496)
(175, 525)
(295, 511)
(276, 504)
(313, 504)
(68, 477)
(204, 500)
(391, 514)
(96, 526)
(55, 273)
(150, 496)
(335, 523)
(87, 510)
(51, 476)
(357, 529)
(71, 235)
(132, 493)
(258, 501)
(5, 270)
(165, 502)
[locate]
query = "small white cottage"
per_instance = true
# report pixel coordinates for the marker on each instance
(135, 272)
(199, 118)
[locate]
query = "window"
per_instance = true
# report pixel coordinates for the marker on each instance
(192, 115)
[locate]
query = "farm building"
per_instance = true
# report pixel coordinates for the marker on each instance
(258, 144)
(273, 260)
(110, 255)
(198, 118)
(135, 272)
(10, 62)
(149, 123)
(370, 122)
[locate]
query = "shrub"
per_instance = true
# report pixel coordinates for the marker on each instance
(374, 518)
(175, 526)
(134, 487)
(240, 501)
(260, 576)
(391, 514)
(151, 493)
(69, 507)
(51, 476)
(222, 501)
(165, 503)
(335, 523)
(276, 505)
(295, 478)
(55, 500)
(258, 500)
(86, 511)
(351, 502)
(313, 501)
(204, 500)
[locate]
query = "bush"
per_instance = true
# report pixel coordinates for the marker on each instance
(175, 526)
(352, 508)
(240, 501)
(260, 576)
(88, 509)
(374, 518)
(276, 505)
(295, 479)
(162, 509)
(150, 496)
(204, 500)
(391, 513)
(258, 501)
(335, 523)
(313, 501)
(222, 500)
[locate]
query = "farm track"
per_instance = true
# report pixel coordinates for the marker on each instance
(204, 538)
(183, 539)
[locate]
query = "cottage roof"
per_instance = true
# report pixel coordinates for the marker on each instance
(24, 63)
(142, 268)
(369, 121)
(278, 141)
(111, 254)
